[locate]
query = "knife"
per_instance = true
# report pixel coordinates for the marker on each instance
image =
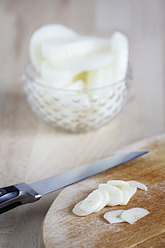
(22, 193)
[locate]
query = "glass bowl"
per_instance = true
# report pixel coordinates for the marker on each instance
(73, 110)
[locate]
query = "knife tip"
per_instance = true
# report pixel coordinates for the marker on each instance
(141, 153)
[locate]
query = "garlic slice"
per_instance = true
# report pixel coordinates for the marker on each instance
(114, 216)
(127, 190)
(134, 214)
(77, 211)
(105, 201)
(127, 194)
(92, 202)
(117, 183)
(134, 190)
(137, 185)
(115, 194)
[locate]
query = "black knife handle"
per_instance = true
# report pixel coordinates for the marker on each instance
(16, 195)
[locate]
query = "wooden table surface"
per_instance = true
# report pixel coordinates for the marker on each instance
(30, 150)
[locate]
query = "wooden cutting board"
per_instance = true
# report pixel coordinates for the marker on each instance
(61, 228)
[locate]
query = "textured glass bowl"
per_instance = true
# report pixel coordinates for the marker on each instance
(72, 110)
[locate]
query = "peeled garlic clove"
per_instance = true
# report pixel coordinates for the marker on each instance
(77, 211)
(76, 46)
(137, 185)
(86, 63)
(43, 34)
(114, 216)
(134, 214)
(95, 78)
(59, 78)
(120, 48)
(92, 202)
(117, 183)
(105, 200)
(77, 85)
(115, 194)
(98, 79)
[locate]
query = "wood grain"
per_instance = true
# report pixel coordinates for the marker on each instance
(30, 150)
(62, 228)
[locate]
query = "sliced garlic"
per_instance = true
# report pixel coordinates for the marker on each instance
(92, 202)
(137, 185)
(127, 190)
(114, 216)
(117, 183)
(127, 194)
(115, 194)
(134, 190)
(105, 200)
(77, 211)
(134, 214)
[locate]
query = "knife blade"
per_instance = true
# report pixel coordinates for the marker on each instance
(18, 194)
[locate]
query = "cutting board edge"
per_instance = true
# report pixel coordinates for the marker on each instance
(140, 143)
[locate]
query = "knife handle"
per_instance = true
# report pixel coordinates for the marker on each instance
(16, 195)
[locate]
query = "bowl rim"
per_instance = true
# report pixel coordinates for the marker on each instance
(26, 75)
